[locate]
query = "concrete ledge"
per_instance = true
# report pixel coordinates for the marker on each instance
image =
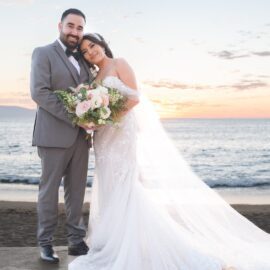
(27, 258)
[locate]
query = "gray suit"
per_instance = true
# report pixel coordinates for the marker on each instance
(61, 145)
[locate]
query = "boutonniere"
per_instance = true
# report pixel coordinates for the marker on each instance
(93, 71)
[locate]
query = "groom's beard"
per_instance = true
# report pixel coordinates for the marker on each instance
(68, 43)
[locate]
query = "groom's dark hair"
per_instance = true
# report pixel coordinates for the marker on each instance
(72, 11)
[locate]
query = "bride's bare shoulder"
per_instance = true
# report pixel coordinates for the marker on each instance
(121, 65)
(121, 62)
(125, 72)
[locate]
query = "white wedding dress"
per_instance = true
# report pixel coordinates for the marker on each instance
(149, 211)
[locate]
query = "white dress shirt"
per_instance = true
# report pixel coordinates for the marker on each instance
(70, 58)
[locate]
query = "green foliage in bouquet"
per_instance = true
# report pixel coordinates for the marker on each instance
(98, 113)
(117, 103)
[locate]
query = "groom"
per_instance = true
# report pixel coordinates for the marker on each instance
(62, 147)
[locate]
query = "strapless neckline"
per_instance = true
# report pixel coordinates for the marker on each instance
(114, 81)
(113, 78)
(107, 77)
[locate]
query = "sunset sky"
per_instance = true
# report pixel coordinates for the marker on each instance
(198, 59)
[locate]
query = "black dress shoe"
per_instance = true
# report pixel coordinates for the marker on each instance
(47, 254)
(78, 249)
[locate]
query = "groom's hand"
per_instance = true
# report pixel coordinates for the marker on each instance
(88, 127)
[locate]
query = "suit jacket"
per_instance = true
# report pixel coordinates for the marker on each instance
(51, 70)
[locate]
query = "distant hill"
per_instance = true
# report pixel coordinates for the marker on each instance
(16, 112)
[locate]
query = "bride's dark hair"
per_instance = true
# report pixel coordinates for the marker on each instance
(98, 39)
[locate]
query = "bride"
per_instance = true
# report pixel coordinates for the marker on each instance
(149, 211)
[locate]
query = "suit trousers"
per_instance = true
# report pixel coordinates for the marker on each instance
(69, 164)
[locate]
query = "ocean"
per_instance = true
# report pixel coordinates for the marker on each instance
(226, 153)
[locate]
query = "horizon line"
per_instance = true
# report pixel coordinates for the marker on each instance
(172, 117)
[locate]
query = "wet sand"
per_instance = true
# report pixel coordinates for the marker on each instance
(18, 222)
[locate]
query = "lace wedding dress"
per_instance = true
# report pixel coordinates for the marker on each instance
(149, 211)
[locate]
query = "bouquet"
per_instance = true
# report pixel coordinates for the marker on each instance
(93, 104)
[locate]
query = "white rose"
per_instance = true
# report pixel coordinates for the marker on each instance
(93, 92)
(102, 89)
(95, 101)
(105, 112)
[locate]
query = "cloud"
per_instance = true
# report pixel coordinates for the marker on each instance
(245, 85)
(249, 84)
(245, 33)
(249, 75)
(229, 55)
(249, 35)
(174, 85)
(166, 84)
(196, 42)
(244, 38)
(131, 15)
(262, 53)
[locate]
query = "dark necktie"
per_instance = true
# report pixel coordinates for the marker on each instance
(76, 55)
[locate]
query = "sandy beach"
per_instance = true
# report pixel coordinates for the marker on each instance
(18, 223)
(18, 219)
(18, 216)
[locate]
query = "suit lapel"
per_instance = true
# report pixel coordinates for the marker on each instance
(68, 64)
(85, 68)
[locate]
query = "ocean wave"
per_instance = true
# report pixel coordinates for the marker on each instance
(212, 184)
(28, 181)
(31, 181)
(236, 184)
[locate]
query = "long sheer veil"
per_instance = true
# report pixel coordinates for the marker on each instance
(209, 222)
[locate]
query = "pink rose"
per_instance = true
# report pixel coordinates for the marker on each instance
(83, 107)
(89, 95)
